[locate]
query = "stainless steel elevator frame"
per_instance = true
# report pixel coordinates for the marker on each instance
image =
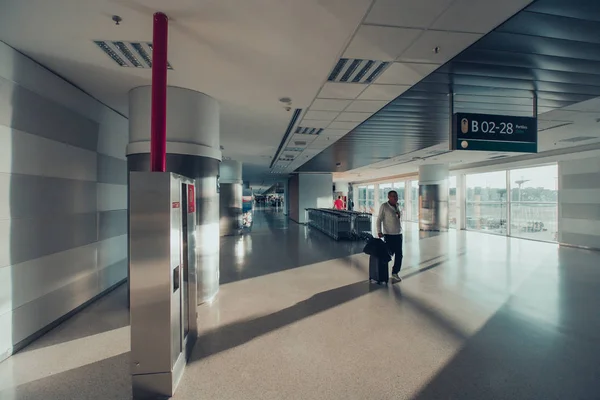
(163, 280)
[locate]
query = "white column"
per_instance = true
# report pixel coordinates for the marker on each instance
(230, 197)
(230, 172)
(192, 122)
(193, 150)
(433, 197)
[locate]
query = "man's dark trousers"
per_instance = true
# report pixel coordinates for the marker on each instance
(394, 243)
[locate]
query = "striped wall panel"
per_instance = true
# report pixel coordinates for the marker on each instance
(63, 199)
(579, 203)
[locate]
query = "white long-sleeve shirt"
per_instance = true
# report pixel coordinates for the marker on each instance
(389, 219)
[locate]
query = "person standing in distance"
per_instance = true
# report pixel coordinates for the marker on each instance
(389, 226)
(339, 203)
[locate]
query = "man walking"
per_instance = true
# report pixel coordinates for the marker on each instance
(390, 227)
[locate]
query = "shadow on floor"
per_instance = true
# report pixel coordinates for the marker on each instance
(105, 314)
(241, 332)
(539, 345)
(442, 322)
(107, 379)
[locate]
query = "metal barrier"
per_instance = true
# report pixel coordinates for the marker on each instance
(339, 224)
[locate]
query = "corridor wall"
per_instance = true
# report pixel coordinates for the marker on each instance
(63, 199)
(579, 202)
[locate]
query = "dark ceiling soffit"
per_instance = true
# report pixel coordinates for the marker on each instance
(521, 56)
(290, 126)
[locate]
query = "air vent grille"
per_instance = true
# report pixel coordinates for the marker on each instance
(129, 54)
(302, 130)
(349, 70)
(295, 149)
(578, 139)
(300, 143)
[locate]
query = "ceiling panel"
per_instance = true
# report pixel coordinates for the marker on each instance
(408, 13)
(338, 90)
(383, 92)
(481, 14)
(405, 73)
(343, 125)
(329, 105)
(449, 44)
(550, 50)
(381, 43)
(353, 116)
(334, 132)
(321, 115)
(366, 105)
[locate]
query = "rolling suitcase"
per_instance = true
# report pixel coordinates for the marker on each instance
(378, 270)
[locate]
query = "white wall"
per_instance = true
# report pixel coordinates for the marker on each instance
(579, 202)
(63, 199)
(315, 191)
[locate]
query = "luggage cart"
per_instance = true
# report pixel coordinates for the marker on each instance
(339, 224)
(363, 225)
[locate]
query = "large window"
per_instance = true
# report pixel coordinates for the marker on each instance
(362, 199)
(384, 189)
(371, 199)
(534, 197)
(452, 203)
(400, 188)
(414, 200)
(487, 202)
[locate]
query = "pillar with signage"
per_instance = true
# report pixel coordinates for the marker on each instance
(193, 151)
(433, 198)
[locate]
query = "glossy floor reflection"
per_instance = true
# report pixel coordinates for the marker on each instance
(276, 244)
(476, 317)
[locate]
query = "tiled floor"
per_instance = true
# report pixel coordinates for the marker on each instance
(476, 317)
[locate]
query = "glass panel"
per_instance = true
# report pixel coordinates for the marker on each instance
(534, 198)
(362, 199)
(489, 217)
(452, 204)
(486, 202)
(399, 187)
(370, 205)
(414, 193)
(384, 189)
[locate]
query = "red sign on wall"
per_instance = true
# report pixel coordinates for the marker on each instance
(191, 199)
(175, 204)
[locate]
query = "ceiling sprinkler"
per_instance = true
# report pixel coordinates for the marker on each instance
(117, 19)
